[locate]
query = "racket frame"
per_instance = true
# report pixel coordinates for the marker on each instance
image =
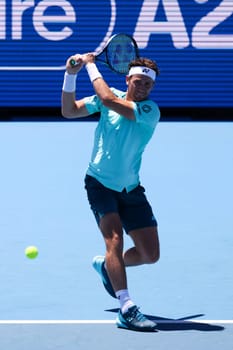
(104, 52)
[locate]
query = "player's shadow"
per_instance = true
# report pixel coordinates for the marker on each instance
(181, 324)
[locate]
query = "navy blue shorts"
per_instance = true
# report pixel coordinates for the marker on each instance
(133, 207)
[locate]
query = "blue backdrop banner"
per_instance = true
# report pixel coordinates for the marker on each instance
(192, 42)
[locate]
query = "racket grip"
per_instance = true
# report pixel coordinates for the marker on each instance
(73, 63)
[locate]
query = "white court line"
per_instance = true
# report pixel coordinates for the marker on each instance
(106, 321)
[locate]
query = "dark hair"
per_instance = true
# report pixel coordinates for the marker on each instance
(142, 61)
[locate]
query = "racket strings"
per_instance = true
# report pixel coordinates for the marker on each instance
(120, 52)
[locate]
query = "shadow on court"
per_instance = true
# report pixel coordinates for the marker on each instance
(181, 324)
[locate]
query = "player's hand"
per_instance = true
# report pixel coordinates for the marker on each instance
(74, 69)
(88, 58)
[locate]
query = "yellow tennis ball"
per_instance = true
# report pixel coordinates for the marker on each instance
(31, 252)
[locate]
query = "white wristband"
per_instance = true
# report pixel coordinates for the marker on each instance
(92, 71)
(69, 83)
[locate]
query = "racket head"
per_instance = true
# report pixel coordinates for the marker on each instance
(119, 51)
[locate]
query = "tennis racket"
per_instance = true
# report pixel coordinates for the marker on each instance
(117, 53)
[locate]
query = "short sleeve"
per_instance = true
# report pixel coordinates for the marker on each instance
(92, 104)
(147, 112)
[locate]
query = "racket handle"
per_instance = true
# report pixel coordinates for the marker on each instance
(73, 63)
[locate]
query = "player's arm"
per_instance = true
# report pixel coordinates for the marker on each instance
(70, 108)
(107, 97)
(123, 107)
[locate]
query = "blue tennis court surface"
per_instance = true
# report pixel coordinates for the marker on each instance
(187, 171)
(107, 336)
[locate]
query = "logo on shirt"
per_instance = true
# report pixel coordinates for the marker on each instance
(146, 108)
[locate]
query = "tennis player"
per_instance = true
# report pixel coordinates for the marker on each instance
(117, 199)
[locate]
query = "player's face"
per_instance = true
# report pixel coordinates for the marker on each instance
(139, 87)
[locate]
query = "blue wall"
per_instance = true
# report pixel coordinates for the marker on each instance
(192, 41)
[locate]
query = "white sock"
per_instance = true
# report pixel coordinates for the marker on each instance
(124, 299)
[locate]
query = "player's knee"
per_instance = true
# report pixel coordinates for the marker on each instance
(114, 242)
(152, 257)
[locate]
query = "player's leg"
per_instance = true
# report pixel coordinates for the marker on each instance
(140, 223)
(129, 316)
(146, 248)
(113, 274)
(111, 228)
(111, 268)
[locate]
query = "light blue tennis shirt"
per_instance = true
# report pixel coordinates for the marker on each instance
(119, 142)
